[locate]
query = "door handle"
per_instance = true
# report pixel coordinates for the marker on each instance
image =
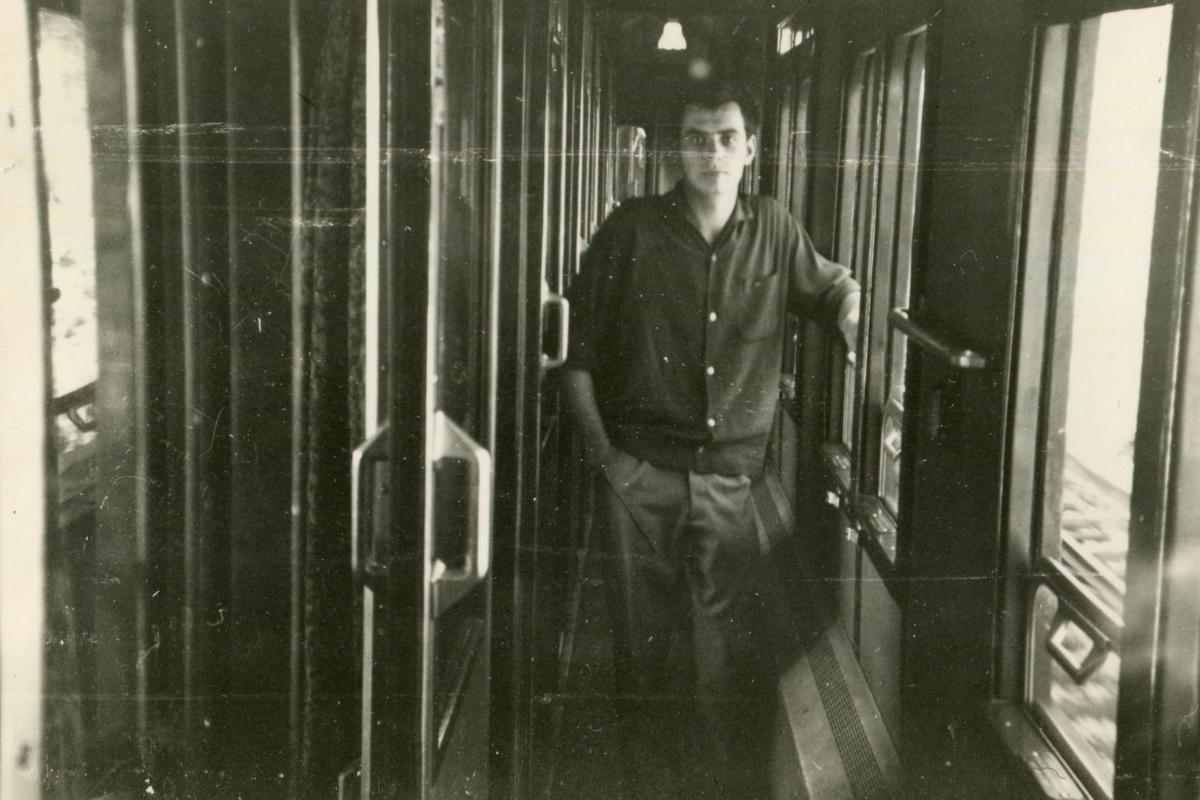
(369, 515)
(555, 301)
(452, 584)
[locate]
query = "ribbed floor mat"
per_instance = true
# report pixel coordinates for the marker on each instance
(842, 717)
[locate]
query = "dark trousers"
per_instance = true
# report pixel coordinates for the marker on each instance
(681, 551)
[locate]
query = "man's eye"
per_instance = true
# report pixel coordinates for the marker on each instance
(728, 140)
(694, 140)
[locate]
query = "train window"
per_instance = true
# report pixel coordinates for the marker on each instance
(903, 109)
(630, 169)
(462, 141)
(856, 216)
(1090, 215)
(791, 35)
(789, 148)
(877, 216)
(791, 144)
(798, 151)
(67, 160)
(783, 155)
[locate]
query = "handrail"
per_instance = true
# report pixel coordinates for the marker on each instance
(71, 402)
(958, 357)
(78, 398)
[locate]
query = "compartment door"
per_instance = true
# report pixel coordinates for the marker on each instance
(423, 480)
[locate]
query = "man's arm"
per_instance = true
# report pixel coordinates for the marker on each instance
(581, 403)
(848, 321)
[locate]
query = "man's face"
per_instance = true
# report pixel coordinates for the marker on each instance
(715, 148)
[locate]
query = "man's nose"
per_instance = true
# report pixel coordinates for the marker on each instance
(709, 147)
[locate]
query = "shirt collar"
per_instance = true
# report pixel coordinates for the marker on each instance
(742, 211)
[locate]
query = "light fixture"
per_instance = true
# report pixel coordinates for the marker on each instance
(672, 36)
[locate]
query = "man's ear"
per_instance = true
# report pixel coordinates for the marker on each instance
(751, 147)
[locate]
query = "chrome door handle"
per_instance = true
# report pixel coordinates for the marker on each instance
(368, 517)
(452, 584)
(553, 300)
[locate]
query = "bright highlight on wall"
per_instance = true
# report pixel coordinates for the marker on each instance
(672, 36)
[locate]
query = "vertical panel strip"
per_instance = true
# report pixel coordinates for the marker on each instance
(373, 166)
(372, 320)
(438, 146)
(23, 397)
(191, 588)
(496, 118)
(299, 380)
(141, 377)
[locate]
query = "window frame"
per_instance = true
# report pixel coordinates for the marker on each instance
(898, 231)
(857, 196)
(873, 238)
(1046, 228)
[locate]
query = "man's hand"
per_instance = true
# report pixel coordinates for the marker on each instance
(848, 323)
(581, 404)
(595, 453)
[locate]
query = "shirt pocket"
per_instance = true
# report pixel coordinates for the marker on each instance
(759, 313)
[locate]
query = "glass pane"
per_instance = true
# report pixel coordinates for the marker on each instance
(914, 105)
(462, 268)
(850, 161)
(67, 149)
(1084, 715)
(783, 136)
(889, 467)
(1109, 295)
(905, 113)
(799, 152)
(67, 152)
(463, 272)
(857, 205)
(631, 162)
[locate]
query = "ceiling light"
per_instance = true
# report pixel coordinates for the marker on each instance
(672, 36)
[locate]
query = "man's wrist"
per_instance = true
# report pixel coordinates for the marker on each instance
(848, 321)
(849, 308)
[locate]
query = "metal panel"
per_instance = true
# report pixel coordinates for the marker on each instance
(123, 391)
(880, 653)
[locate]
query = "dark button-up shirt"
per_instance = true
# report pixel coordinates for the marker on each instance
(683, 339)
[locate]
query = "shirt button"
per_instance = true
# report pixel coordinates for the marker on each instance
(712, 423)
(712, 316)
(713, 258)
(710, 370)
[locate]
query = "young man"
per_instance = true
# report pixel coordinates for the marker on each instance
(677, 321)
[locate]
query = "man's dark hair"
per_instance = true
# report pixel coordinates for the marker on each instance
(712, 94)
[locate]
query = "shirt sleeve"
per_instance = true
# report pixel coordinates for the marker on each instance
(594, 293)
(817, 286)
